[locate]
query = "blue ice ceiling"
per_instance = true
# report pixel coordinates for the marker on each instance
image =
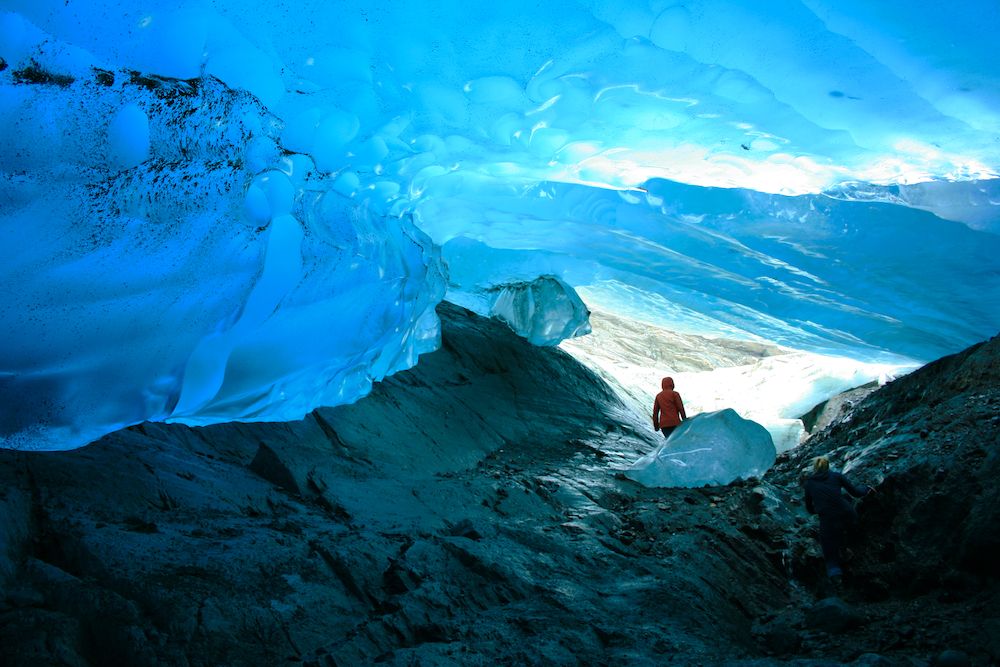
(243, 210)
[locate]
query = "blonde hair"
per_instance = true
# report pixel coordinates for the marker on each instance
(821, 464)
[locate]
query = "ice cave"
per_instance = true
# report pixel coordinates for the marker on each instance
(224, 215)
(243, 211)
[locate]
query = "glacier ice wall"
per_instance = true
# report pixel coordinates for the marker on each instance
(165, 259)
(237, 210)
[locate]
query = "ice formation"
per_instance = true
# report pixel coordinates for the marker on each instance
(713, 448)
(545, 310)
(183, 267)
(242, 210)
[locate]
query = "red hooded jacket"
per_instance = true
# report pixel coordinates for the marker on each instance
(668, 409)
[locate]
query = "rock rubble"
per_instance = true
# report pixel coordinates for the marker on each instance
(471, 511)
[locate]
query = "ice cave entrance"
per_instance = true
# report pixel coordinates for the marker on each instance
(741, 392)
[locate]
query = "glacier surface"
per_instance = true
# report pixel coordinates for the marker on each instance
(229, 210)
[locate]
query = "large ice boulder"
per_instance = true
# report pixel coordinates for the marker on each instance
(712, 448)
(545, 310)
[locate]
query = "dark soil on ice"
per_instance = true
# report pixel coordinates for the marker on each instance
(471, 511)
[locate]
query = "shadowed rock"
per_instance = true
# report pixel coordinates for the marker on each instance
(469, 512)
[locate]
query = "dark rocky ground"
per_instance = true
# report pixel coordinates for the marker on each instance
(924, 573)
(470, 512)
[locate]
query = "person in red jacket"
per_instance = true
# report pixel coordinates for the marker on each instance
(668, 409)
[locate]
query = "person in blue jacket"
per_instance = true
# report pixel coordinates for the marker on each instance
(836, 512)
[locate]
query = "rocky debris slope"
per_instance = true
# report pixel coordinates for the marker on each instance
(469, 512)
(922, 576)
(835, 408)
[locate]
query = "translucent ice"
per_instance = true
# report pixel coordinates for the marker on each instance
(233, 210)
(172, 264)
(546, 310)
(851, 278)
(713, 448)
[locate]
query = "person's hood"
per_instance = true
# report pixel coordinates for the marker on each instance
(667, 384)
(820, 475)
